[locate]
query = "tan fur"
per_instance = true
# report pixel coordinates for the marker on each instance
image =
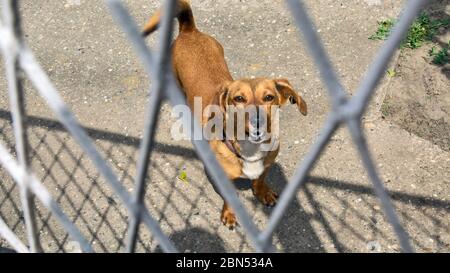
(200, 67)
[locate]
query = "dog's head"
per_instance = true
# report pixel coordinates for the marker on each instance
(256, 98)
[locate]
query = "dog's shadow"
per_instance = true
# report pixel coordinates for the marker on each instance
(196, 240)
(294, 232)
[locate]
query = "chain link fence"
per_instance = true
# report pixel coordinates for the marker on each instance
(39, 206)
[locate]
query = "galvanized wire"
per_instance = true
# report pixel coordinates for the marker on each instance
(12, 48)
(345, 111)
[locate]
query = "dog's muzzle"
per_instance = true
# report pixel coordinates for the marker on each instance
(257, 127)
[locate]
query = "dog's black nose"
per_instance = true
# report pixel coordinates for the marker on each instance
(258, 119)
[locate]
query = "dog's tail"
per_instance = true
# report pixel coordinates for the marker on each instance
(183, 13)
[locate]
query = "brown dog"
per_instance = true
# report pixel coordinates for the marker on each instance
(200, 67)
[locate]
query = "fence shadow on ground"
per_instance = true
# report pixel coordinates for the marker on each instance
(97, 212)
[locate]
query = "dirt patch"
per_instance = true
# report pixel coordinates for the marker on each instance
(418, 96)
(106, 87)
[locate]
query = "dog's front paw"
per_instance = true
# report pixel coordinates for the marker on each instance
(228, 218)
(265, 195)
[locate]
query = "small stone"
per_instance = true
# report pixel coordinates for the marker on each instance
(369, 125)
(374, 246)
(110, 200)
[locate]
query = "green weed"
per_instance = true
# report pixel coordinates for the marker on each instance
(422, 30)
(440, 57)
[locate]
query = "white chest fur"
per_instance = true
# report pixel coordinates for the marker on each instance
(253, 159)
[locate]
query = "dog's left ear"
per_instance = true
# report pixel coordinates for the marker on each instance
(288, 93)
(222, 95)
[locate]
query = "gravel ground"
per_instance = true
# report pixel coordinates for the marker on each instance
(94, 68)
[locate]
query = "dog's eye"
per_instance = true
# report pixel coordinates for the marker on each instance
(239, 99)
(269, 98)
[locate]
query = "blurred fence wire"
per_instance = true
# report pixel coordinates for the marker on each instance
(131, 208)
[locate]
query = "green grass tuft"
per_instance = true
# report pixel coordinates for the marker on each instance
(442, 56)
(422, 30)
(383, 31)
